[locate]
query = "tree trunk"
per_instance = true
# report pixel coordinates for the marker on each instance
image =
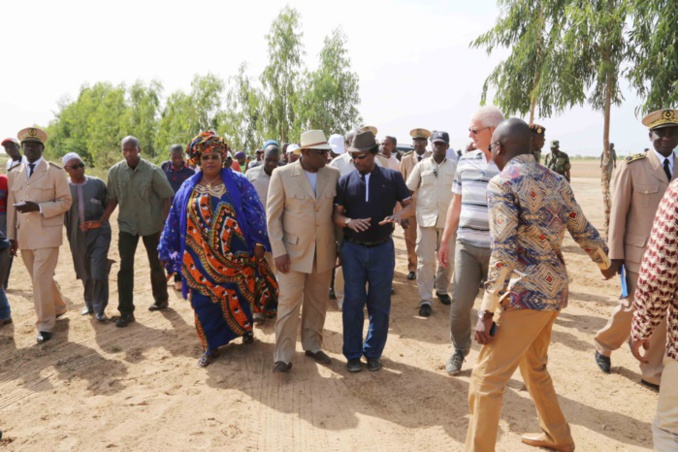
(605, 174)
(537, 72)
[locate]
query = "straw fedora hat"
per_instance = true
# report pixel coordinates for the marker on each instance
(314, 139)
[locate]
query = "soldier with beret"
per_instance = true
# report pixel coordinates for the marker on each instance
(639, 184)
(537, 143)
(409, 160)
(558, 161)
(38, 199)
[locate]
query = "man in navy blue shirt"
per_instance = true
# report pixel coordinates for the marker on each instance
(364, 208)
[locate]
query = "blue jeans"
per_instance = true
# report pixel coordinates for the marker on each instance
(375, 267)
(5, 259)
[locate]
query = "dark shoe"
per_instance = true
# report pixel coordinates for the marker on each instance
(539, 440)
(453, 365)
(281, 367)
(248, 338)
(649, 385)
(333, 296)
(43, 337)
(411, 276)
(101, 318)
(319, 356)
(374, 364)
(207, 358)
(603, 362)
(444, 298)
(86, 311)
(392, 290)
(354, 365)
(5, 322)
(425, 310)
(158, 306)
(124, 320)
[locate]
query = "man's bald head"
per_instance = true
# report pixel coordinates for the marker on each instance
(511, 138)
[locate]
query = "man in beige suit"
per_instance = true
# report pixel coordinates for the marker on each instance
(409, 160)
(639, 184)
(299, 217)
(38, 198)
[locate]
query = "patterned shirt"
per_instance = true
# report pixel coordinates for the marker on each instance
(470, 181)
(657, 288)
(176, 177)
(530, 209)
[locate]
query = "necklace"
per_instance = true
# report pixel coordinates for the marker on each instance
(210, 182)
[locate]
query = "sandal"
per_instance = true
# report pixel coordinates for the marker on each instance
(207, 358)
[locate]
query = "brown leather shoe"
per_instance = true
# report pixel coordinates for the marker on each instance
(319, 356)
(539, 440)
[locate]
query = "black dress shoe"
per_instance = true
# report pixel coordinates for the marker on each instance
(411, 276)
(649, 385)
(333, 296)
(425, 310)
(158, 306)
(43, 337)
(281, 367)
(354, 365)
(101, 318)
(444, 298)
(319, 356)
(124, 320)
(374, 364)
(603, 362)
(248, 338)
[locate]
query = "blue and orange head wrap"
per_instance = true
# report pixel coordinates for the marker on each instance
(207, 141)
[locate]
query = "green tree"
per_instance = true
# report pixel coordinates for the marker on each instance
(654, 53)
(331, 95)
(280, 78)
(240, 123)
(143, 115)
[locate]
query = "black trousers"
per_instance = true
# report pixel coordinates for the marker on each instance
(127, 247)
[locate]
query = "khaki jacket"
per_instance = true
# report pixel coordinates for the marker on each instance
(48, 187)
(639, 184)
(299, 222)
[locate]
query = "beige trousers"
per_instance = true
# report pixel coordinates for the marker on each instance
(617, 331)
(47, 299)
(311, 289)
(411, 243)
(665, 426)
(428, 241)
(522, 340)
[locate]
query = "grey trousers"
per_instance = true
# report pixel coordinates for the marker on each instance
(470, 269)
(428, 241)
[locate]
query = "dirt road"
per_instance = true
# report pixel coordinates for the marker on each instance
(97, 387)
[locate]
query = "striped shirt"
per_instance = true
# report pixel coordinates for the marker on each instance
(470, 181)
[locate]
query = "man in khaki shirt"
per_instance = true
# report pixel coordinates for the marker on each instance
(431, 180)
(409, 160)
(639, 184)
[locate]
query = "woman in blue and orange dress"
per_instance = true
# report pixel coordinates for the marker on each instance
(216, 237)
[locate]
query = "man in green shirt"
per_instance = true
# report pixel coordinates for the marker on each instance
(143, 193)
(558, 161)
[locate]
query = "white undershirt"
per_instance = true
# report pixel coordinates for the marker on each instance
(313, 180)
(367, 187)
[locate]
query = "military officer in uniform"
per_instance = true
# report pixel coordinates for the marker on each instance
(537, 141)
(419, 140)
(38, 198)
(639, 184)
(558, 161)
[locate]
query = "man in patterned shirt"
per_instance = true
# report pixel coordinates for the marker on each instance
(530, 209)
(657, 291)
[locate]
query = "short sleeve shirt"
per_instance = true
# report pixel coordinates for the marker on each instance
(386, 187)
(470, 181)
(432, 182)
(140, 193)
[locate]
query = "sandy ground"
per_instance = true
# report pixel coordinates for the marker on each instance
(96, 387)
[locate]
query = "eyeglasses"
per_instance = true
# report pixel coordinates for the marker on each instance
(477, 131)
(358, 156)
(205, 158)
(76, 166)
(497, 144)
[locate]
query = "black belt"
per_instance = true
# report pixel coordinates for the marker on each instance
(368, 244)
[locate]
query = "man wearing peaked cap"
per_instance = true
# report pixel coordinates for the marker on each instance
(407, 163)
(38, 198)
(299, 217)
(537, 143)
(639, 184)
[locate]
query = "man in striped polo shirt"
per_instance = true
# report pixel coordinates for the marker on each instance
(468, 217)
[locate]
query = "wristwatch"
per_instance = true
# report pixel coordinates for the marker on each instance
(484, 315)
(347, 221)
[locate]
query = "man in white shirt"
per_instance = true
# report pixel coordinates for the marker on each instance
(388, 147)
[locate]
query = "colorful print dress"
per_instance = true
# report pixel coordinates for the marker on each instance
(209, 237)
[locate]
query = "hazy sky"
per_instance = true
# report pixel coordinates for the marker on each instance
(413, 59)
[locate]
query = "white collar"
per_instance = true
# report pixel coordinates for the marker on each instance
(661, 159)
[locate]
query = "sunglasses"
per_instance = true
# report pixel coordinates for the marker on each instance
(477, 131)
(206, 158)
(76, 166)
(321, 151)
(359, 156)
